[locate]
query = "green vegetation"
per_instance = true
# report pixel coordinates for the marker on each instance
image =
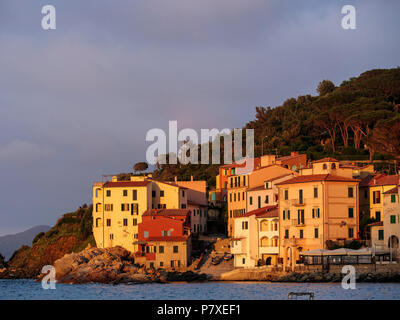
(358, 120)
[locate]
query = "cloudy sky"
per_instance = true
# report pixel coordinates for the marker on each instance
(77, 102)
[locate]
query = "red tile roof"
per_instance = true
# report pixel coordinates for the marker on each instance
(380, 180)
(166, 212)
(326, 160)
(121, 184)
(269, 211)
(166, 238)
(317, 177)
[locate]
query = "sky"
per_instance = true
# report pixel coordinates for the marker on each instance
(77, 102)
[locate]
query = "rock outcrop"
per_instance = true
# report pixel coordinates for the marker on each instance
(113, 265)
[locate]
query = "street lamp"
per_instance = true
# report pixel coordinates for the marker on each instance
(262, 145)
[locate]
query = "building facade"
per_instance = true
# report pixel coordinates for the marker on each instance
(319, 206)
(256, 238)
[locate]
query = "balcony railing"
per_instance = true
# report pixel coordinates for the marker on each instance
(298, 223)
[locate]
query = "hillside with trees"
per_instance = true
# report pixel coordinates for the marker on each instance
(357, 120)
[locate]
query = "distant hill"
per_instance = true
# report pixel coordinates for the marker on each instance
(10, 243)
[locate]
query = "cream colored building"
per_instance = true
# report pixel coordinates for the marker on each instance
(256, 238)
(318, 206)
(385, 234)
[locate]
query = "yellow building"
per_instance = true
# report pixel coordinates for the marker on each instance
(118, 207)
(374, 186)
(317, 207)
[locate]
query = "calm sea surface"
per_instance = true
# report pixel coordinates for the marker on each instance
(28, 289)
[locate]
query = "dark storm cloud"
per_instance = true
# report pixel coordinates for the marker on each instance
(77, 102)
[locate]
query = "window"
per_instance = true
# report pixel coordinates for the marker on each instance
(236, 182)
(244, 180)
(124, 206)
(259, 202)
(318, 213)
(108, 222)
(183, 206)
(231, 182)
(108, 193)
(97, 222)
(286, 194)
(146, 234)
(393, 198)
(183, 193)
(286, 234)
(243, 261)
(301, 196)
(376, 197)
(161, 264)
(134, 222)
(350, 192)
(125, 222)
(111, 236)
(230, 213)
(351, 232)
(125, 193)
(351, 212)
(234, 197)
(245, 225)
(153, 193)
(152, 265)
(315, 192)
(251, 200)
(169, 233)
(230, 197)
(300, 216)
(288, 214)
(243, 195)
(283, 215)
(161, 249)
(301, 233)
(316, 233)
(134, 209)
(378, 215)
(136, 236)
(324, 166)
(239, 181)
(266, 199)
(97, 193)
(392, 219)
(134, 195)
(175, 249)
(380, 235)
(161, 193)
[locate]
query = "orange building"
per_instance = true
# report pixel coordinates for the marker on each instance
(164, 238)
(244, 180)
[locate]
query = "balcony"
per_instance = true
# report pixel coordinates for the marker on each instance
(298, 202)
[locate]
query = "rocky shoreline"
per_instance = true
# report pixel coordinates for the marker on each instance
(117, 265)
(112, 265)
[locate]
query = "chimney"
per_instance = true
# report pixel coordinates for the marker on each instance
(191, 178)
